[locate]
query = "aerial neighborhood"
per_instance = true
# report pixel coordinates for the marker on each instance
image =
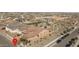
(39, 29)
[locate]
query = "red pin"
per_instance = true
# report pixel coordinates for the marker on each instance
(14, 41)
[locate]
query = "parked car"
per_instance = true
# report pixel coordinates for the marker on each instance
(73, 39)
(70, 42)
(64, 36)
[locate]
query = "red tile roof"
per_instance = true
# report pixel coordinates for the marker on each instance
(32, 31)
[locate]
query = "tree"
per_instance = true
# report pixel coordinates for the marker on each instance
(3, 28)
(24, 41)
(45, 26)
(38, 35)
(49, 34)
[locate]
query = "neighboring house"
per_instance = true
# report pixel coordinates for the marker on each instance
(13, 31)
(13, 28)
(35, 33)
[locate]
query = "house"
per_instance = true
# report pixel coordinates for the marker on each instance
(13, 28)
(35, 33)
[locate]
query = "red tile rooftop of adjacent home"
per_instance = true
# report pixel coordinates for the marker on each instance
(32, 31)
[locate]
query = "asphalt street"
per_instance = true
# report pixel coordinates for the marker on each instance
(67, 39)
(4, 41)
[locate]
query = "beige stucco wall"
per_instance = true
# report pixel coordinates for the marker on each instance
(42, 34)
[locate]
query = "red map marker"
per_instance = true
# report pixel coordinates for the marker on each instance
(14, 41)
